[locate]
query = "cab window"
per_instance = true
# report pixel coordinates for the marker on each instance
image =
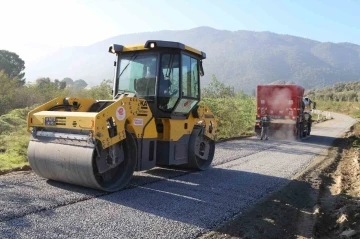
(169, 84)
(137, 74)
(190, 76)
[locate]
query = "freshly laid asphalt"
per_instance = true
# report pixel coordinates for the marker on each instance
(162, 203)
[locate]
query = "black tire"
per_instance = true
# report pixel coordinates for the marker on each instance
(300, 131)
(201, 150)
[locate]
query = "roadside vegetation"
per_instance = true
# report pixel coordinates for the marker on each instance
(235, 111)
(13, 139)
(13, 135)
(342, 97)
(339, 92)
(348, 108)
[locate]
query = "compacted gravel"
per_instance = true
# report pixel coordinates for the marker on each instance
(161, 203)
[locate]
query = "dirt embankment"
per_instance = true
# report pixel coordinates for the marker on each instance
(23, 168)
(322, 202)
(339, 199)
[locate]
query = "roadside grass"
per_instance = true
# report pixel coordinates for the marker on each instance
(13, 139)
(348, 108)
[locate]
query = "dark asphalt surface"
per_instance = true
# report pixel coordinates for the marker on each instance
(161, 203)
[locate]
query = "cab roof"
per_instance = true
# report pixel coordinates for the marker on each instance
(153, 44)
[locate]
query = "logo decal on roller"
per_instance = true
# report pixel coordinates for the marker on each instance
(120, 113)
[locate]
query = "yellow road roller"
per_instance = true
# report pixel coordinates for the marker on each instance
(154, 119)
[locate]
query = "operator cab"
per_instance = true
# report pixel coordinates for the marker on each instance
(166, 74)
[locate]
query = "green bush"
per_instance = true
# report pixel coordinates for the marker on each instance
(235, 115)
(235, 111)
(13, 139)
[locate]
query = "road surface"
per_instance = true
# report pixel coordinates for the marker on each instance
(161, 203)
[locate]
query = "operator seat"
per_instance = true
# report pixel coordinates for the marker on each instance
(163, 94)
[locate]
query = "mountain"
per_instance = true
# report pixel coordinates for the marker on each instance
(242, 59)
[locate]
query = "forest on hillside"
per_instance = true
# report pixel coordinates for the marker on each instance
(341, 91)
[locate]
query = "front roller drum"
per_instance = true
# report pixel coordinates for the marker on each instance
(81, 165)
(201, 150)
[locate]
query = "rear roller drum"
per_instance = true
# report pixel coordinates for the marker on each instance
(201, 150)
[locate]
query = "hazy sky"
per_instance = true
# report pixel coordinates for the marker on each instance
(31, 28)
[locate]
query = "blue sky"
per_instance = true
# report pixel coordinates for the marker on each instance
(37, 27)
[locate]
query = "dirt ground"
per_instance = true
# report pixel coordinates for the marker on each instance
(323, 201)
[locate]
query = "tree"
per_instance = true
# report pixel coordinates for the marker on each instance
(12, 65)
(217, 89)
(62, 85)
(68, 81)
(7, 92)
(102, 91)
(339, 87)
(351, 96)
(329, 96)
(41, 82)
(57, 83)
(80, 84)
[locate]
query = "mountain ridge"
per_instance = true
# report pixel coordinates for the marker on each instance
(239, 58)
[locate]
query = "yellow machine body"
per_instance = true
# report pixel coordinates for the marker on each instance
(96, 123)
(100, 143)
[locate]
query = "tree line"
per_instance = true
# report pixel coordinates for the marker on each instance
(16, 92)
(235, 111)
(341, 91)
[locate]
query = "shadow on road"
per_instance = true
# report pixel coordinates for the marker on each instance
(203, 199)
